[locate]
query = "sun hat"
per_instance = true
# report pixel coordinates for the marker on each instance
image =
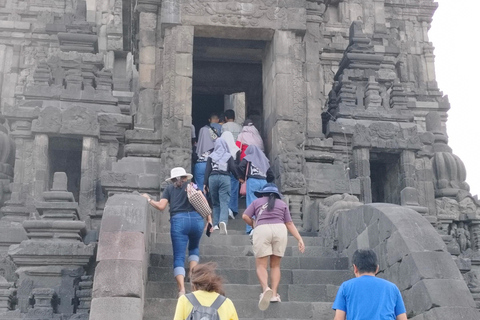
(178, 172)
(267, 189)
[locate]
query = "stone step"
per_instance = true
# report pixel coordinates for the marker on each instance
(248, 309)
(292, 292)
(244, 276)
(248, 262)
(246, 250)
(238, 240)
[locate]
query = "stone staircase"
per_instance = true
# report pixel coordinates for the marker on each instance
(308, 286)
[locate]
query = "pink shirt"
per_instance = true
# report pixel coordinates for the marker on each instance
(279, 213)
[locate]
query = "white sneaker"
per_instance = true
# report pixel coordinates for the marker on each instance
(215, 228)
(223, 228)
(230, 214)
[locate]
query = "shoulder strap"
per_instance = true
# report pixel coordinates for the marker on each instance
(193, 300)
(218, 302)
(246, 172)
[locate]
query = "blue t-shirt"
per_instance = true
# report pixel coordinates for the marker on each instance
(369, 298)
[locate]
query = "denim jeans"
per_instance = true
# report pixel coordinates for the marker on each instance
(199, 174)
(186, 230)
(219, 186)
(234, 186)
(253, 184)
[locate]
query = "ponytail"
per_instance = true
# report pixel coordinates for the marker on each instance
(271, 201)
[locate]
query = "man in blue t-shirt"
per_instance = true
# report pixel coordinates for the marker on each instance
(367, 297)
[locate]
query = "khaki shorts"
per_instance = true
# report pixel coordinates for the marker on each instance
(270, 239)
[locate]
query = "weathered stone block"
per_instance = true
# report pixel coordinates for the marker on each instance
(428, 294)
(426, 265)
(125, 213)
(147, 55)
(121, 246)
(109, 272)
(117, 308)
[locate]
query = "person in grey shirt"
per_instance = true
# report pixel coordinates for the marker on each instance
(231, 125)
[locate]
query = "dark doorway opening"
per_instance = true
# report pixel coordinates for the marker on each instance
(222, 67)
(202, 106)
(385, 177)
(65, 155)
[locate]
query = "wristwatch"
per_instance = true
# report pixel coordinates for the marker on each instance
(149, 200)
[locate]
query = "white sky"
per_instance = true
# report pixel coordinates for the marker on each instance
(456, 38)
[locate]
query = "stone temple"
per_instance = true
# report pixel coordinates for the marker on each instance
(97, 101)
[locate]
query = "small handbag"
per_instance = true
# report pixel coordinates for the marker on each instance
(198, 201)
(243, 185)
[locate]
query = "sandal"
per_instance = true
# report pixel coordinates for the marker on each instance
(276, 299)
(265, 298)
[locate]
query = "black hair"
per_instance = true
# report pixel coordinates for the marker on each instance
(221, 117)
(213, 114)
(271, 201)
(230, 114)
(365, 260)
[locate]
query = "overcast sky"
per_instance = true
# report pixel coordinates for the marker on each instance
(455, 35)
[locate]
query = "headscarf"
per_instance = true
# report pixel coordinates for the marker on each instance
(232, 147)
(205, 141)
(220, 154)
(256, 156)
(250, 135)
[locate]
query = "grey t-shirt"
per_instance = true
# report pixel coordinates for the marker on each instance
(177, 199)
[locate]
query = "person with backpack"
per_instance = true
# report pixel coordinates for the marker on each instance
(220, 164)
(207, 300)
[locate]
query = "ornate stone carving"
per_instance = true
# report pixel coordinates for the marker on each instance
(386, 135)
(339, 203)
(76, 120)
(449, 170)
(239, 13)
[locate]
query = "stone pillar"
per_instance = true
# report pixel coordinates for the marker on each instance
(361, 170)
(285, 110)
(236, 102)
(88, 184)
(315, 95)
(40, 163)
(177, 97)
(147, 77)
(407, 168)
(424, 184)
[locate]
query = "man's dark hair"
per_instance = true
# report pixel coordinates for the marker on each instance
(213, 114)
(365, 260)
(230, 114)
(221, 117)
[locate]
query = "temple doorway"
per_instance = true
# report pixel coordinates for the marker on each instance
(65, 155)
(227, 73)
(385, 177)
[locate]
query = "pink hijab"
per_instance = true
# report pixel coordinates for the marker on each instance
(250, 136)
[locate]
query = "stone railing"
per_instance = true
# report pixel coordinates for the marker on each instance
(412, 255)
(122, 259)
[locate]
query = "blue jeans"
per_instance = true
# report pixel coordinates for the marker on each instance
(219, 186)
(199, 174)
(186, 229)
(253, 184)
(234, 185)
